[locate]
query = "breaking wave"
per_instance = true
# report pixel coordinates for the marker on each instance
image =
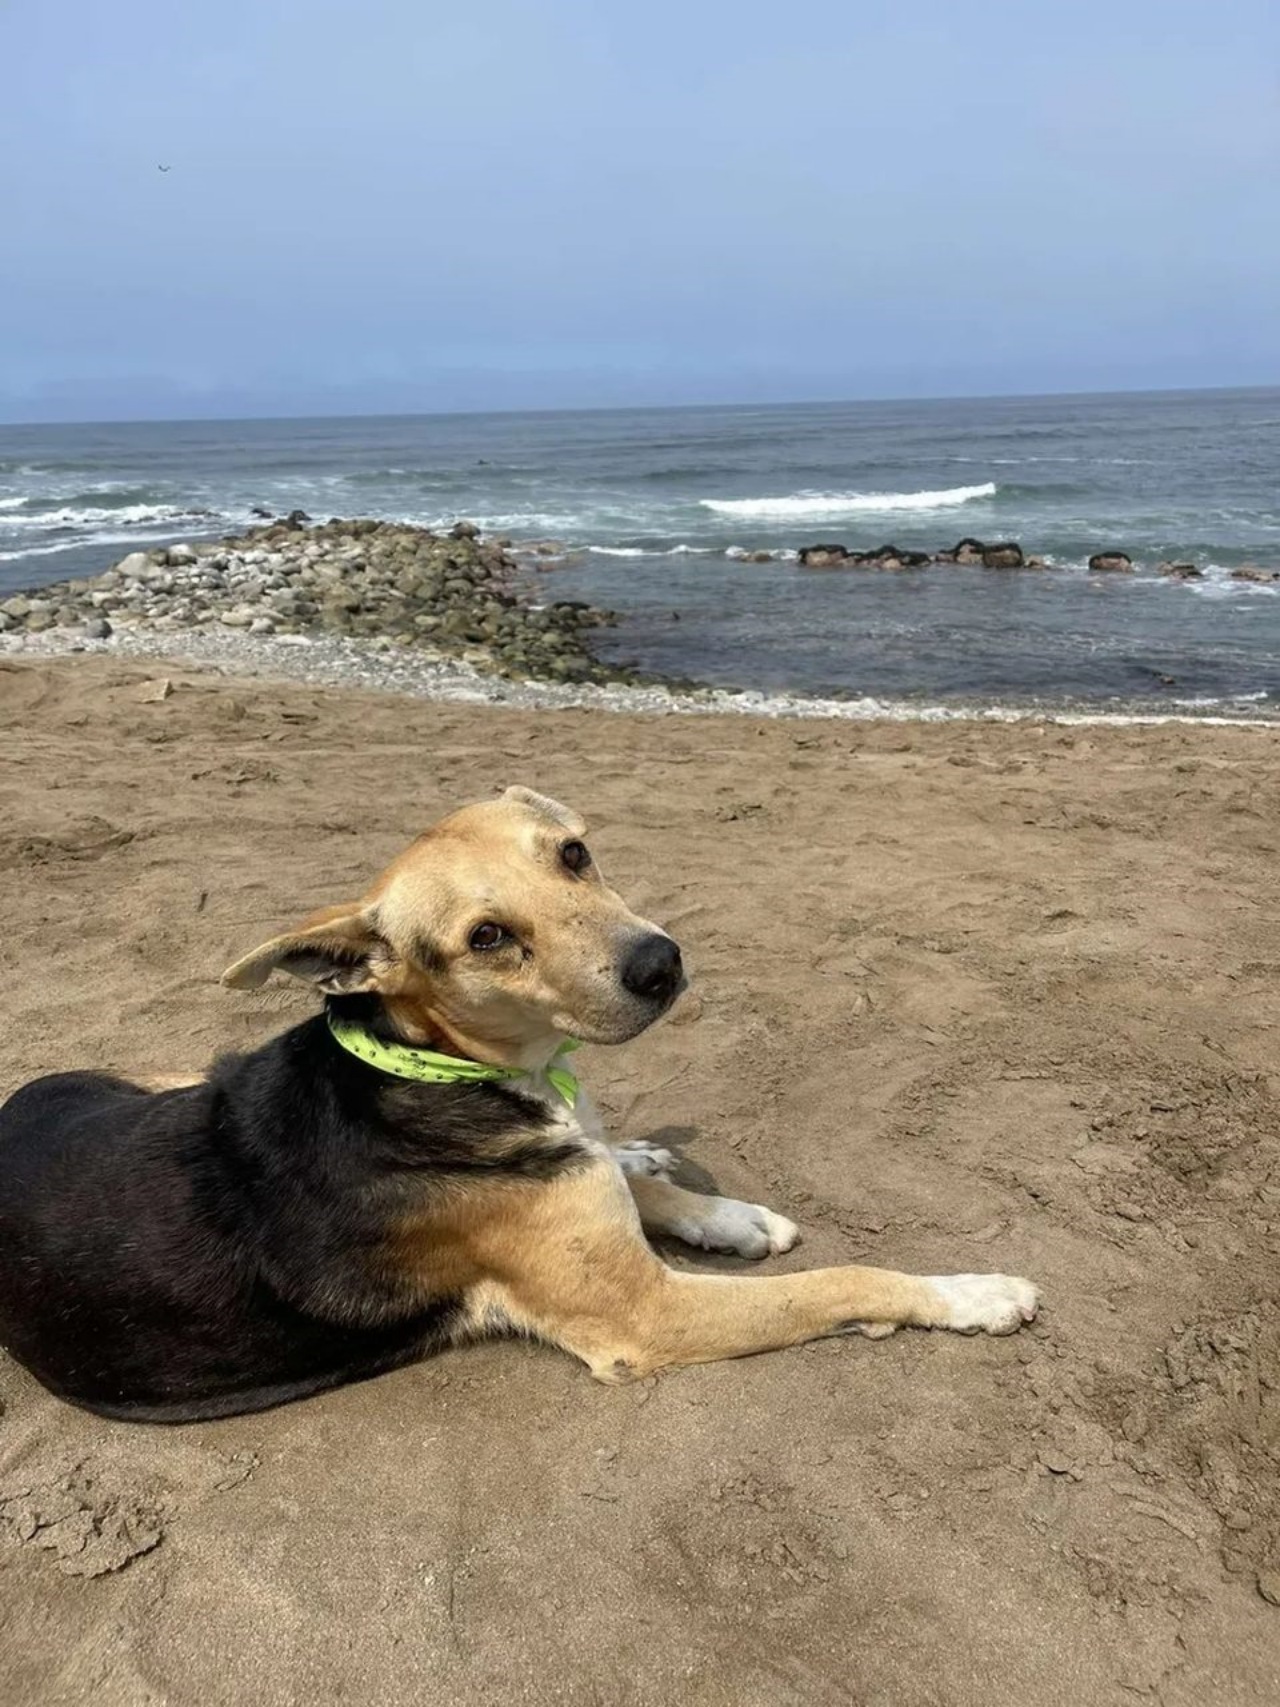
(818, 506)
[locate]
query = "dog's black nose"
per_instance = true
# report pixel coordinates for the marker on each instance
(653, 969)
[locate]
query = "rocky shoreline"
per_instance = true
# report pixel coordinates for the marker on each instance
(447, 614)
(453, 596)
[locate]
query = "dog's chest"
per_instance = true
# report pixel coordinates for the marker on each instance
(581, 1122)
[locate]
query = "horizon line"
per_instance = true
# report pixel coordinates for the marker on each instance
(637, 408)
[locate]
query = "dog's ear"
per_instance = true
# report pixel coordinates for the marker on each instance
(545, 807)
(337, 949)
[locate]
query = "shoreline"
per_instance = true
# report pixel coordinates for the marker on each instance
(378, 667)
(464, 617)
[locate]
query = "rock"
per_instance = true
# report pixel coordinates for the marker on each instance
(390, 584)
(464, 530)
(822, 556)
(1180, 571)
(1006, 555)
(152, 568)
(1249, 572)
(295, 520)
(18, 607)
(968, 551)
(261, 514)
(151, 693)
(882, 557)
(1269, 1587)
(915, 559)
(1110, 563)
(1035, 563)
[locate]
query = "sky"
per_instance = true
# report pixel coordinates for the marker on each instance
(394, 205)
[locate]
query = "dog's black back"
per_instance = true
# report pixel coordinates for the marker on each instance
(200, 1252)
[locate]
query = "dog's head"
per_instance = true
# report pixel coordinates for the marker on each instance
(494, 934)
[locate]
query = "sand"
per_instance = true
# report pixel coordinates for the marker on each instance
(966, 996)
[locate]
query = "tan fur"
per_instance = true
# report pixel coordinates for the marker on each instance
(567, 1263)
(166, 1081)
(566, 1259)
(406, 939)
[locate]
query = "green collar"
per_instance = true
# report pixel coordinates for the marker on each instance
(405, 1061)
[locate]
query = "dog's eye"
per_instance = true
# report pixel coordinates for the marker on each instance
(488, 935)
(575, 856)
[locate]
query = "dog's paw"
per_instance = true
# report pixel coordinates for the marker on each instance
(983, 1303)
(645, 1159)
(742, 1229)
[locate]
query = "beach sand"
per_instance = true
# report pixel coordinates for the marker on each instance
(965, 996)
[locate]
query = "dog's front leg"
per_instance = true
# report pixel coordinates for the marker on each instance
(571, 1266)
(710, 1223)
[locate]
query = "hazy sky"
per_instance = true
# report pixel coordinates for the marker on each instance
(398, 205)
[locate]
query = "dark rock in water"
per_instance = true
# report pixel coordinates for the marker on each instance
(1180, 571)
(534, 547)
(1006, 555)
(1110, 563)
(464, 530)
(1249, 572)
(914, 559)
(969, 550)
(1035, 563)
(296, 519)
(822, 556)
(261, 514)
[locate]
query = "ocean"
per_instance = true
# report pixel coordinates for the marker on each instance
(662, 504)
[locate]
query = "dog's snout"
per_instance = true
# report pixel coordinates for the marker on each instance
(653, 969)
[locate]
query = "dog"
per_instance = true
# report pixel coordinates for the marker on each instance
(412, 1168)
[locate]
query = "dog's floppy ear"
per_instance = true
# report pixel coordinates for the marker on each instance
(334, 949)
(545, 807)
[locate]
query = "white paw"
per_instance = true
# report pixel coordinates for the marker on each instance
(745, 1229)
(647, 1159)
(983, 1303)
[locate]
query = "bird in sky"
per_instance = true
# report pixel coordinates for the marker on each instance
(163, 168)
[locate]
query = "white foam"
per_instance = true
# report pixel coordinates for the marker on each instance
(68, 545)
(93, 516)
(1218, 583)
(815, 506)
(681, 550)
